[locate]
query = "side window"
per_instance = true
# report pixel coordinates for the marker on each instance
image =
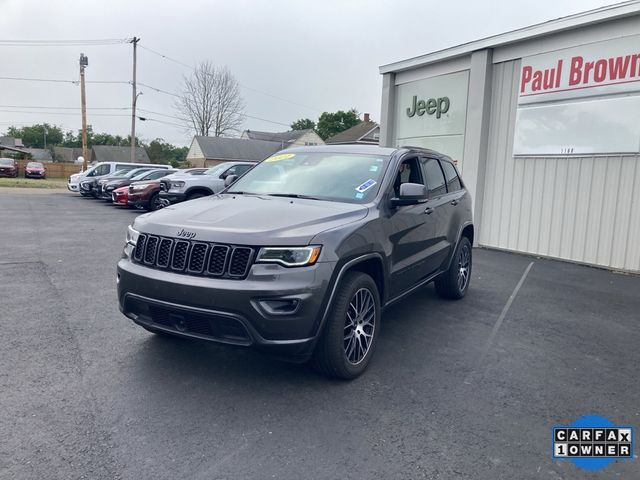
(453, 182)
(125, 166)
(103, 170)
(155, 175)
(409, 172)
(229, 171)
(242, 169)
(434, 177)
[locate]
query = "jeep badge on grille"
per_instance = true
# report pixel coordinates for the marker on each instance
(183, 233)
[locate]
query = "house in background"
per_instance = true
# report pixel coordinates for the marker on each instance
(292, 138)
(364, 133)
(11, 142)
(39, 154)
(66, 154)
(209, 151)
(111, 153)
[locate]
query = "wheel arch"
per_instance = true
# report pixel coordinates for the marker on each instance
(203, 190)
(370, 262)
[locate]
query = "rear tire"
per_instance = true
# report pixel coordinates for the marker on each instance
(351, 330)
(454, 283)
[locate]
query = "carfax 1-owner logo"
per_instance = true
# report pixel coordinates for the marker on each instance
(592, 442)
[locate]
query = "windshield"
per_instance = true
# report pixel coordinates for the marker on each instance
(34, 165)
(134, 173)
(217, 170)
(322, 175)
(6, 161)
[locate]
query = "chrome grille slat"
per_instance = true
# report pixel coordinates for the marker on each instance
(218, 260)
(193, 257)
(179, 255)
(197, 257)
(151, 250)
(164, 252)
(240, 260)
(140, 244)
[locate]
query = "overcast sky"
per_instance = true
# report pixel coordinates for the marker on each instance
(317, 55)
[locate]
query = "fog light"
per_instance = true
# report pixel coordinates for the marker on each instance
(286, 306)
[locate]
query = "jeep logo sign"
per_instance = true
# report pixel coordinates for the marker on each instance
(432, 105)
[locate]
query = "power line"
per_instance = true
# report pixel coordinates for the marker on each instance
(158, 90)
(191, 67)
(64, 108)
(64, 113)
(62, 43)
(244, 114)
(57, 80)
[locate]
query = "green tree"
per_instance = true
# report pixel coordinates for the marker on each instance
(303, 124)
(34, 136)
(330, 124)
(160, 151)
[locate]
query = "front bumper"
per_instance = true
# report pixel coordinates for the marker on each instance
(138, 199)
(230, 311)
(73, 187)
(173, 197)
(34, 175)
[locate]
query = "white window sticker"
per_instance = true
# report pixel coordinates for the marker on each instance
(366, 186)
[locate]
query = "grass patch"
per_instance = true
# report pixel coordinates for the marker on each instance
(33, 182)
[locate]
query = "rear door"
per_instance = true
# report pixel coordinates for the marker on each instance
(436, 209)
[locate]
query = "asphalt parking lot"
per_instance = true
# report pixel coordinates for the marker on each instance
(455, 390)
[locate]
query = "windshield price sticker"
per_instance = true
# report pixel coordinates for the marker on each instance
(282, 156)
(366, 186)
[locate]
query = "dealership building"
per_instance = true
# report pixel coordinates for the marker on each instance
(544, 123)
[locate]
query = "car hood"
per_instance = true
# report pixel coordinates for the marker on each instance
(250, 219)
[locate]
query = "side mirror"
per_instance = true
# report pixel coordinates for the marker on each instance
(410, 194)
(230, 179)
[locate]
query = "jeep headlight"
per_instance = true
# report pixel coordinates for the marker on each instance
(132, 236)
(140, 186)
(289, 256)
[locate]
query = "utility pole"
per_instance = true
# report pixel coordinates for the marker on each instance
(134, 98)
(84, 62)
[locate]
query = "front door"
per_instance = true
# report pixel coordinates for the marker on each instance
(409, 230)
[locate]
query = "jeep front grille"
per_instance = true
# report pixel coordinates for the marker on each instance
(193, 257)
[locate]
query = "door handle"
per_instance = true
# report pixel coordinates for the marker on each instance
(428, 210)
(454, 202)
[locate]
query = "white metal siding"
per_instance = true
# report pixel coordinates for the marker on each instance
(580, 208)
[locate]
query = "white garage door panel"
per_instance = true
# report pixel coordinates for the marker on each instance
(580, 208)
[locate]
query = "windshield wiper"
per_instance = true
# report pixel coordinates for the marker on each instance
(292, 195)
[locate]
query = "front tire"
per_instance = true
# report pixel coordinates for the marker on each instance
(193, 196)
(155, 203)
(352, 327)
(454, 283)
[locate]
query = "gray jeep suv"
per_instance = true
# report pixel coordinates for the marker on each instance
(301, 254)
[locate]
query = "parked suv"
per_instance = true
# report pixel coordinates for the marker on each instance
(300, 255)
(84, 182)
(107, 186)
(177, 190)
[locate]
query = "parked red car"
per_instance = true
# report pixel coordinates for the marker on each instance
(120, 196)
(35, 170)
(145, 195)
(8, 167)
